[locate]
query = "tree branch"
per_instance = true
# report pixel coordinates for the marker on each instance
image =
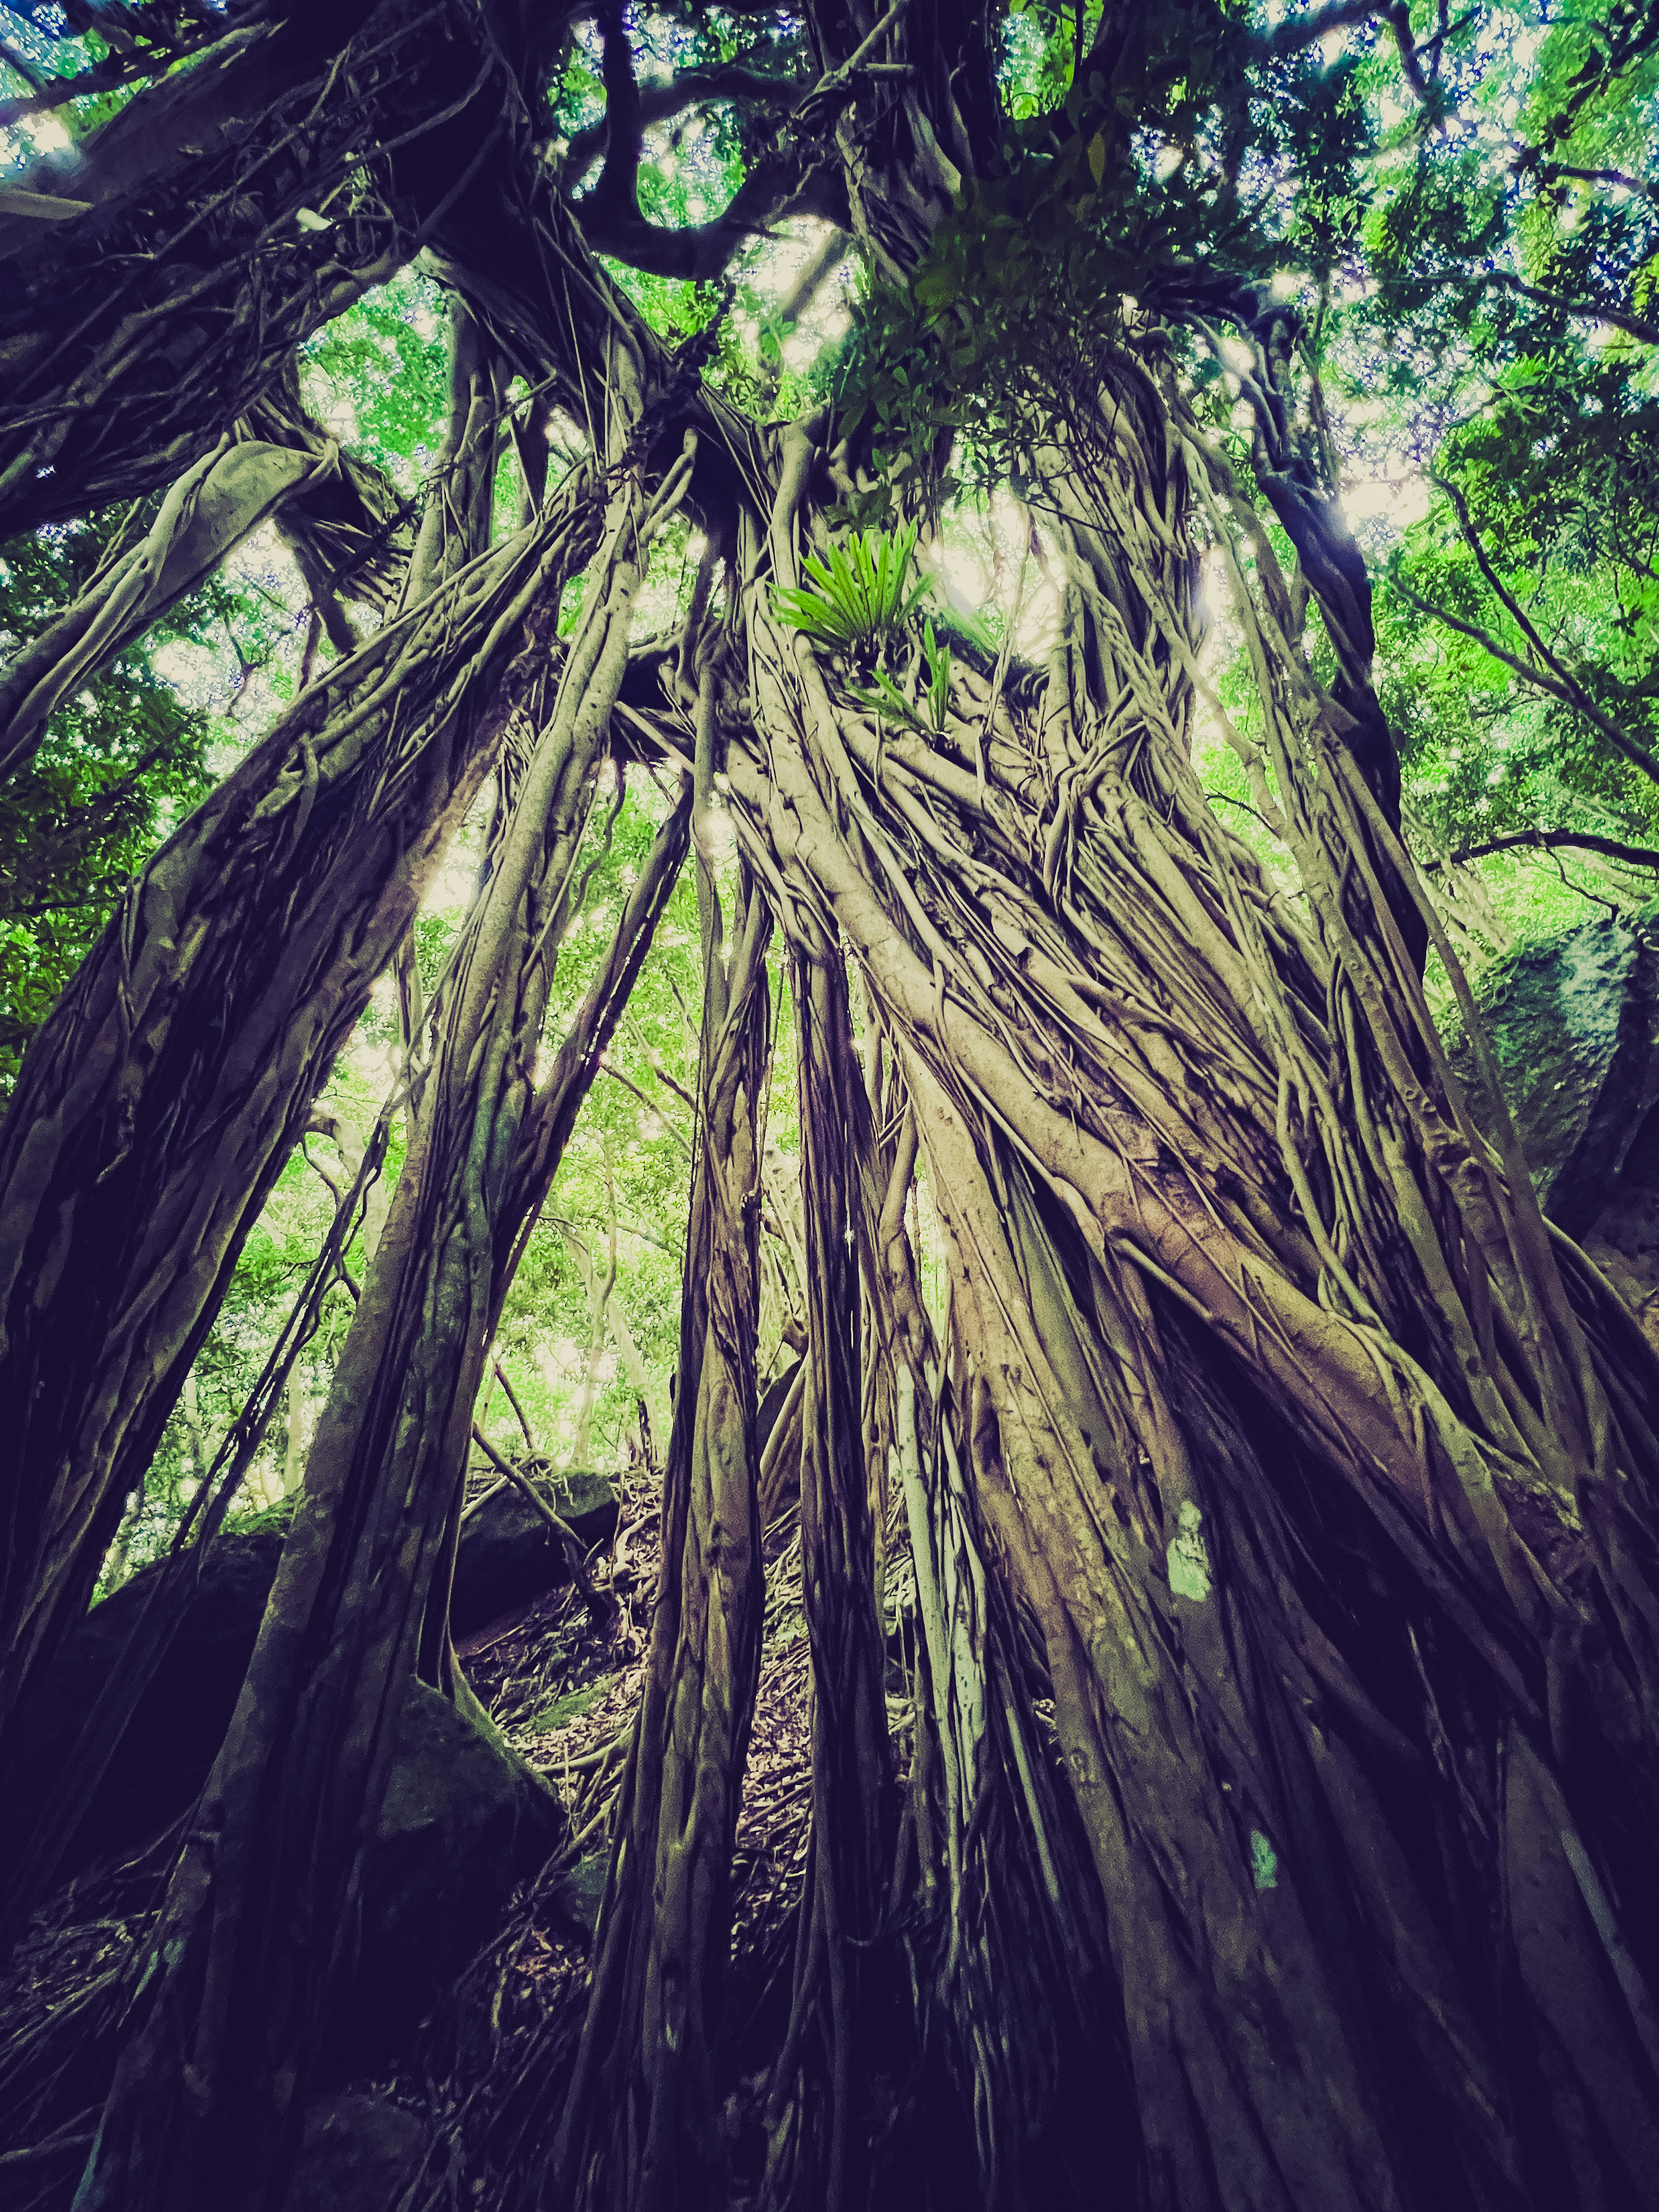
(108, 75)
(784, 182)
(1549, 170)
(1549, 841)
(1620, 318)
(669, 96)
(32, 73)
(1295, 35)
(1507, 599)
(823, 265)
(1567, 694)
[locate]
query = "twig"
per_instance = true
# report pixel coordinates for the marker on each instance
(513, 1400)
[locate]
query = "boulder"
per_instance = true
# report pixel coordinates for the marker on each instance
(1573, 1024)
(509, 1555)
(464, 1818)
(1574, 1028)
(360, 2155)
(162, 1758)
(464, 1821)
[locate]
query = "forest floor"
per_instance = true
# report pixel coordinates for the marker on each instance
(562, 1682)
(562, 1679)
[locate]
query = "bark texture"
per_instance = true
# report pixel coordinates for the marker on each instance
(640, 2120)
(159, 1102)
(208, 2098)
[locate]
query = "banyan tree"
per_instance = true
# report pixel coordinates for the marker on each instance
(1271, 1827)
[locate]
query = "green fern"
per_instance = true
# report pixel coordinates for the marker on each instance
(863, 590)
(889, 701)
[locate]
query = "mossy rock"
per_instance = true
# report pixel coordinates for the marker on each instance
(360, 2155)
(1573, 1024)
(463, 1822)
(162, 1758)
(509, 1555)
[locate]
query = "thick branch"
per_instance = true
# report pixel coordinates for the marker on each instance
(1604, 311)
(657, 101)
(782, 183)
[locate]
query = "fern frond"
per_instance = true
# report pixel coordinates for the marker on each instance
(860, 589)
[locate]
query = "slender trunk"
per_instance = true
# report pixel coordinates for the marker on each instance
(195, 1437)
(599, 1285)
(821, 2116)
(634, 1369)
(115, 1566)
(652, 2035)
(352, 1147)
(295, 1439)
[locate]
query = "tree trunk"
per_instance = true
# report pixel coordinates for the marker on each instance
(1005, 1938)
(159, 1102)
(647, 2138)
(598, 1285)
(207, 2103)
(1233, 1270)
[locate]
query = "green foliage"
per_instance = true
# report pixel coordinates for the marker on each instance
(1320, 129)
(1033, 275)
(863, 590)
(377, 375)
(1491, 251)
(123, 761)
(888, 701)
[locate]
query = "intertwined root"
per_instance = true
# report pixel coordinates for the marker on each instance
(1241, 1296)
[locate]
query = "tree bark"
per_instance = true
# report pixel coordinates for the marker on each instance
(652, 2031)
(159, 1102)
(206, 2105)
